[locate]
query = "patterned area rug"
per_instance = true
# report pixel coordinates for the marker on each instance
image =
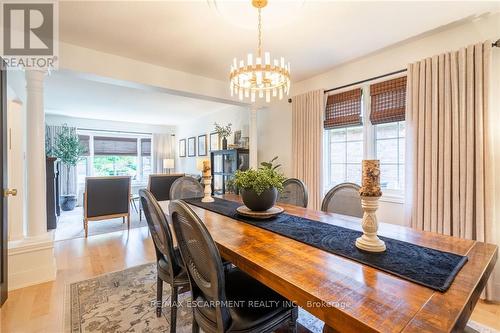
(124, 301)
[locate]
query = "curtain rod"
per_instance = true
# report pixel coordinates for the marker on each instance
(111, 131)
(495, 44)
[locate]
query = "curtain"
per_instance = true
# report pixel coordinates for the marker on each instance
(449, 145)
(66, 187)
(163, 147)
(307, 142)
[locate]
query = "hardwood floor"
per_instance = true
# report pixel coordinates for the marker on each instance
(40, 308)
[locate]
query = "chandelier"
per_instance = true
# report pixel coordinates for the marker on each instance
(261, 78)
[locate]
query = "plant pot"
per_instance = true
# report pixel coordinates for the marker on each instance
(68, 202)
(224, 143)
(261, 202)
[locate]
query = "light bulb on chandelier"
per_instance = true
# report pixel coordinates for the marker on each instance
(262, 78)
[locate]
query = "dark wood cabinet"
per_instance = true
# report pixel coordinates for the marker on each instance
(224, 164)
(51, 176)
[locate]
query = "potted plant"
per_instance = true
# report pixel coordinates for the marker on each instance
(68, 149)
(259, 188)
(224, 132)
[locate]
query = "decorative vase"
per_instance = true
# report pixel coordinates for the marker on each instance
(68, 202)
(224, 143)
(261, 202)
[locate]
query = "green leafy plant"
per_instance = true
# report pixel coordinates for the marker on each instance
(265, 177)
(68, 149)
(223, 131)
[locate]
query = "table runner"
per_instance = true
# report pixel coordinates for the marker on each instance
(432, 268)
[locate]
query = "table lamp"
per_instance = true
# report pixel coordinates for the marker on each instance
(168, 163)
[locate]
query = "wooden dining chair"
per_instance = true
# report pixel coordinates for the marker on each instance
(211, 284)
(343, 199)
(186, 188)
(294, 193)
(170, 267)
(106, 198)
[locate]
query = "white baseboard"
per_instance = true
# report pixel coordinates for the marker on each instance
(31, 261)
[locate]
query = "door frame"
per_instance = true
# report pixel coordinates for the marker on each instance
(3, 184)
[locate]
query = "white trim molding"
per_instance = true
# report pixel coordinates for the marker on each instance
(31, 261)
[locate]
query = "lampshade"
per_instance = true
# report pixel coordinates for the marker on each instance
(199, 163)
(168, 163)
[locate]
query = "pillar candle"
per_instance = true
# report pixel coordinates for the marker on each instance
(371, 179)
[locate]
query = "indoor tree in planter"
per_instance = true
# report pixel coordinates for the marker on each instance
(223, 132)
(68, 149)
(259, 188)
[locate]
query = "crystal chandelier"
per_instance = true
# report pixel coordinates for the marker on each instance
(262, 77)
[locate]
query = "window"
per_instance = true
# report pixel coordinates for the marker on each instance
(115, 155)
(390, 150)
(346, 153)
(375, 129)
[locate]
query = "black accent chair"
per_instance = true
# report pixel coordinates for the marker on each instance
(217, 290)
(343, 199)
(186, 188)
(159, 185)
(170, 266)
(294, 193)
(106, 198)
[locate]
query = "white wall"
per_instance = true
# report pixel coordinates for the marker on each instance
(110, 125)
(237, 116)
(275, 124)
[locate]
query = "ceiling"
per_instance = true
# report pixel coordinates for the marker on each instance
(202, 37)
(69, 95)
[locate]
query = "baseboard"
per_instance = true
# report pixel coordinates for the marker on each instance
(31, 261)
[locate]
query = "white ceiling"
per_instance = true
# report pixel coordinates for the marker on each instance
(70, 95)
(202, 38)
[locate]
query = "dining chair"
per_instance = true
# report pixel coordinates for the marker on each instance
(294, 193)
(106, 198)
(186, 188)
(170, 267)
(160, 184)
(343, 199)
(234, 289)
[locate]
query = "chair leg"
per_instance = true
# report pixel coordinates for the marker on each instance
(173, 310)
(292, 326)
(128, 221)
(159, 294)
(195, 327)
(123, 219)
(86, 227)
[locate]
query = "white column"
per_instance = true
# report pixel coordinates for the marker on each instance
(35, 155)
(253, 137)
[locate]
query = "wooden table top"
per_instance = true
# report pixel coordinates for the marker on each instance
(347, 295)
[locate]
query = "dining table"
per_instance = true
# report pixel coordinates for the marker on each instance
(349, 296)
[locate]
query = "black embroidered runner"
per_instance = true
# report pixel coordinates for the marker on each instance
(429, 267)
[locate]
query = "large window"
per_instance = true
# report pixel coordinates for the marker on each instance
(346, 153)
(390, 150)
(373, 127)
(110, 154)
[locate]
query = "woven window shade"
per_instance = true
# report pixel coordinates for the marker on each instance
(115, 146)
(388, 101)
(85, 141)
(343, 109)
(145, 147)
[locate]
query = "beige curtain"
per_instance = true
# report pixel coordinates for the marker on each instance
(162, 147)
(307, 135)
(449, 145)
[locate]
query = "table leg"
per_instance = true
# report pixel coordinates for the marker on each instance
(328, 329)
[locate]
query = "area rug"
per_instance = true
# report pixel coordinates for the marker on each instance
(70, 225)
(124, 301)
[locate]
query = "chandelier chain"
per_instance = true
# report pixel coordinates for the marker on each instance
(260, 35)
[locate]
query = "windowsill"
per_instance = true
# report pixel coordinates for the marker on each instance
(393, 198)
